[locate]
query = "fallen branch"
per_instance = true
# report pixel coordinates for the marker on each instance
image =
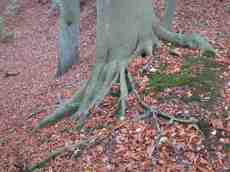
(9, 74)
(77, 148)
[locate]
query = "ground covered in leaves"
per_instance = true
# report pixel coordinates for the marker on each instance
(178, 81)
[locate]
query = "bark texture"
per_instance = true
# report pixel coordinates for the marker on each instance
(170, 9)
(1, 26)
(126, 29)
(69, 35)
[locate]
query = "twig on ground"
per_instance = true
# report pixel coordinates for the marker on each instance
(40, 110)
(9, 74)
(77, 148)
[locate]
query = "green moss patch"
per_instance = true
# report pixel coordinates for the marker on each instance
(159, 81)
(200, 74)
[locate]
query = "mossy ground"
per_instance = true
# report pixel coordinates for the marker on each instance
(198, 83)
(199, 74)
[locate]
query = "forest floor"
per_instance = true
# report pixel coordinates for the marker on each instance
(29, 92)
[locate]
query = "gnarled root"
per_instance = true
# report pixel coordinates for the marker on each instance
(192, 41)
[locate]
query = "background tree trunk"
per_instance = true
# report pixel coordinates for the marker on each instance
(170, 9)
(69, 37)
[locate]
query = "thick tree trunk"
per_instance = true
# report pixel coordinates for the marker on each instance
(125, 30)
(68, 35)
(121, 25)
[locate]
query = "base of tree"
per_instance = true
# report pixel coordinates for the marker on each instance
(106, 73)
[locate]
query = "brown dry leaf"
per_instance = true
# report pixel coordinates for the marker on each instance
(189, 93)
(100, 148)
(224, 60)
(194, 139)
(67, 94)
(88, 170)
(204, 169)
(150, 149)
(217, 123)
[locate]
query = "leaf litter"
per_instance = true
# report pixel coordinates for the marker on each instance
(131, 145)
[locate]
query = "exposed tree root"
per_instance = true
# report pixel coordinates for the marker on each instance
(192, 41)
(104, 76)
(149, 111)
(106, 73)
(76, 149)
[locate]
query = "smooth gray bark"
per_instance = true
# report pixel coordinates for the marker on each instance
(170, 9)
(69, 35)
(121, 24)
(1, 26)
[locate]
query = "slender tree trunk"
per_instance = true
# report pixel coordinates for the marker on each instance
(68, 35)
(170, 9)
(1, 26)
(125, 30)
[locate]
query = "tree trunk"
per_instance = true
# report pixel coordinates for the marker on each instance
(68, 35)
(170, 8)
(1, 26)
(125, 30)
